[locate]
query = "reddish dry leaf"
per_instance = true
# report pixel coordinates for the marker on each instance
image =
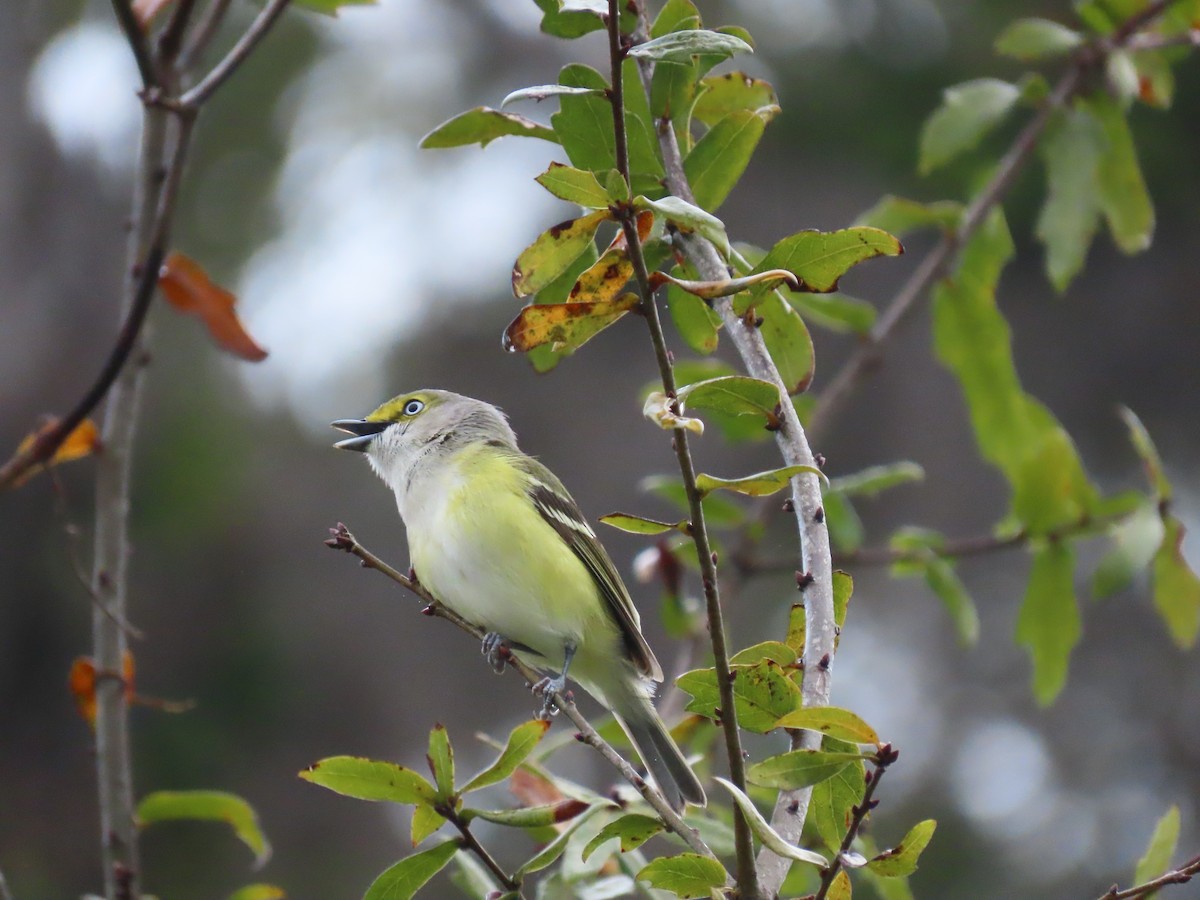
(83, 441)
(145, 10)
(531, 789)
(188, 288)
(645, 221)
(82, 683)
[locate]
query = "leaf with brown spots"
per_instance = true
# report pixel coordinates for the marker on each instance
(188, 288)
(564, 325)
(553, 252)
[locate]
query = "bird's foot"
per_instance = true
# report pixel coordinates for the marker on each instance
(546, 689)
(495, 651)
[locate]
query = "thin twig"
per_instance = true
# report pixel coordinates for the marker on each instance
(202, 35)
(171, 37)
(884, 757)
(791, 806)
(746, 875)
(935, 263)
(472, 843)
(343, 540)
(138, 44)
(236, 56)
(1182, 875)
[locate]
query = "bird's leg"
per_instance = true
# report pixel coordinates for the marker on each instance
(548, 687)
(495, 651)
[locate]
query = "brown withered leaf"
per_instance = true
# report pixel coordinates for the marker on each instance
(84, 440)
(82, 683)
(188, 288)
(532, 789)
(564, 325)
(145, 10)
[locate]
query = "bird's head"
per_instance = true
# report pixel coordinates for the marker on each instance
(420, 427)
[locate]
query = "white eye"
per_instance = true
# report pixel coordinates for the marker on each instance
(412, 407)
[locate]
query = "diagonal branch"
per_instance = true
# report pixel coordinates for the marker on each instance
(343, 540)
(237, 54)
(1182, 875)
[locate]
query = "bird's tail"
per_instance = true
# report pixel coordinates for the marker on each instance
(662, 757)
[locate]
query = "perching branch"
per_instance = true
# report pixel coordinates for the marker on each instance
(470, 842)
(792, 806)
(1182, 875)
(937, 261)
(746, 874)
(258, 29)
(343, 540)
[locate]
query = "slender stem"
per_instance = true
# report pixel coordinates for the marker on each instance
(791, 806)
(171, 37)
(136, 37)
(202, 35)
(858, 815)
(236, 56)
(747, 876)
(1181, 875)
(472, 844)
(936, 262)
(343, 540)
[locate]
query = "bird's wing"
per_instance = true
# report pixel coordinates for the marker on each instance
(557, 507)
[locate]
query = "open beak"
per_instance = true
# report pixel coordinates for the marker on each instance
(364, 432)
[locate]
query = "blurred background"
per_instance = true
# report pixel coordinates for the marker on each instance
(367, 266)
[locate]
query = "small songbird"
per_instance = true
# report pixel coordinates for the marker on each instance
(494, 536)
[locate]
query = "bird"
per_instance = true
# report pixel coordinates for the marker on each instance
(496, 538)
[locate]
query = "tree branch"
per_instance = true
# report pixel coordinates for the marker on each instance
(472, 843)
(791, 806)
(936, 262)
(1182, 875)
(343, 540)
(138, 44)
(202, 35)
(884, 757)
(743, 839)
(236, 56)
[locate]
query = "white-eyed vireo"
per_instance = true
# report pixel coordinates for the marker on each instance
(496, 538)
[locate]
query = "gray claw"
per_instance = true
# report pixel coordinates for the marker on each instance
(495, 651)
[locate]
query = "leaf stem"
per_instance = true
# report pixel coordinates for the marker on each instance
(747, 876)
(472, 843)
(343, 540)
(1181, 875)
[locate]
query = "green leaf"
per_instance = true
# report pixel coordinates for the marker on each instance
(553, 850)
(258, 892)
(762, 484)
(1157, 858)
(832, 721)
(762, 694)
(574, 186)
(843, 589)
(425, 821)
(765, 833)
(1144, 445)
(1049, 623)
(553, 252)
(530, 816)
(841, 518)
(441, 760)
(564, 326)
(734, 395)
(819, 258)
(405, 878)
(788, 342)
(696, 322)
(521, 741)
(1071, 151)
(945, 583)
(968, 112)
(835, 311)
(1176, 587)
(368, 779)
(688, 218)
(545, 357)
(633, 830)
(642, 525)
(719, 158)
(773, 650)
(207, 806)
(798, 768)
(331, 7)
(542, 91)
(681, 46)
(688, 875)
(901, 860)
(833, 799)
(873, 480)
(718, 511)
(1031, 39)
(796, 629)
(569, 23)
(483, 125)
(1121, 190)
(1135, 542)
(839, 888)
(732, 92)
(901, 216)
